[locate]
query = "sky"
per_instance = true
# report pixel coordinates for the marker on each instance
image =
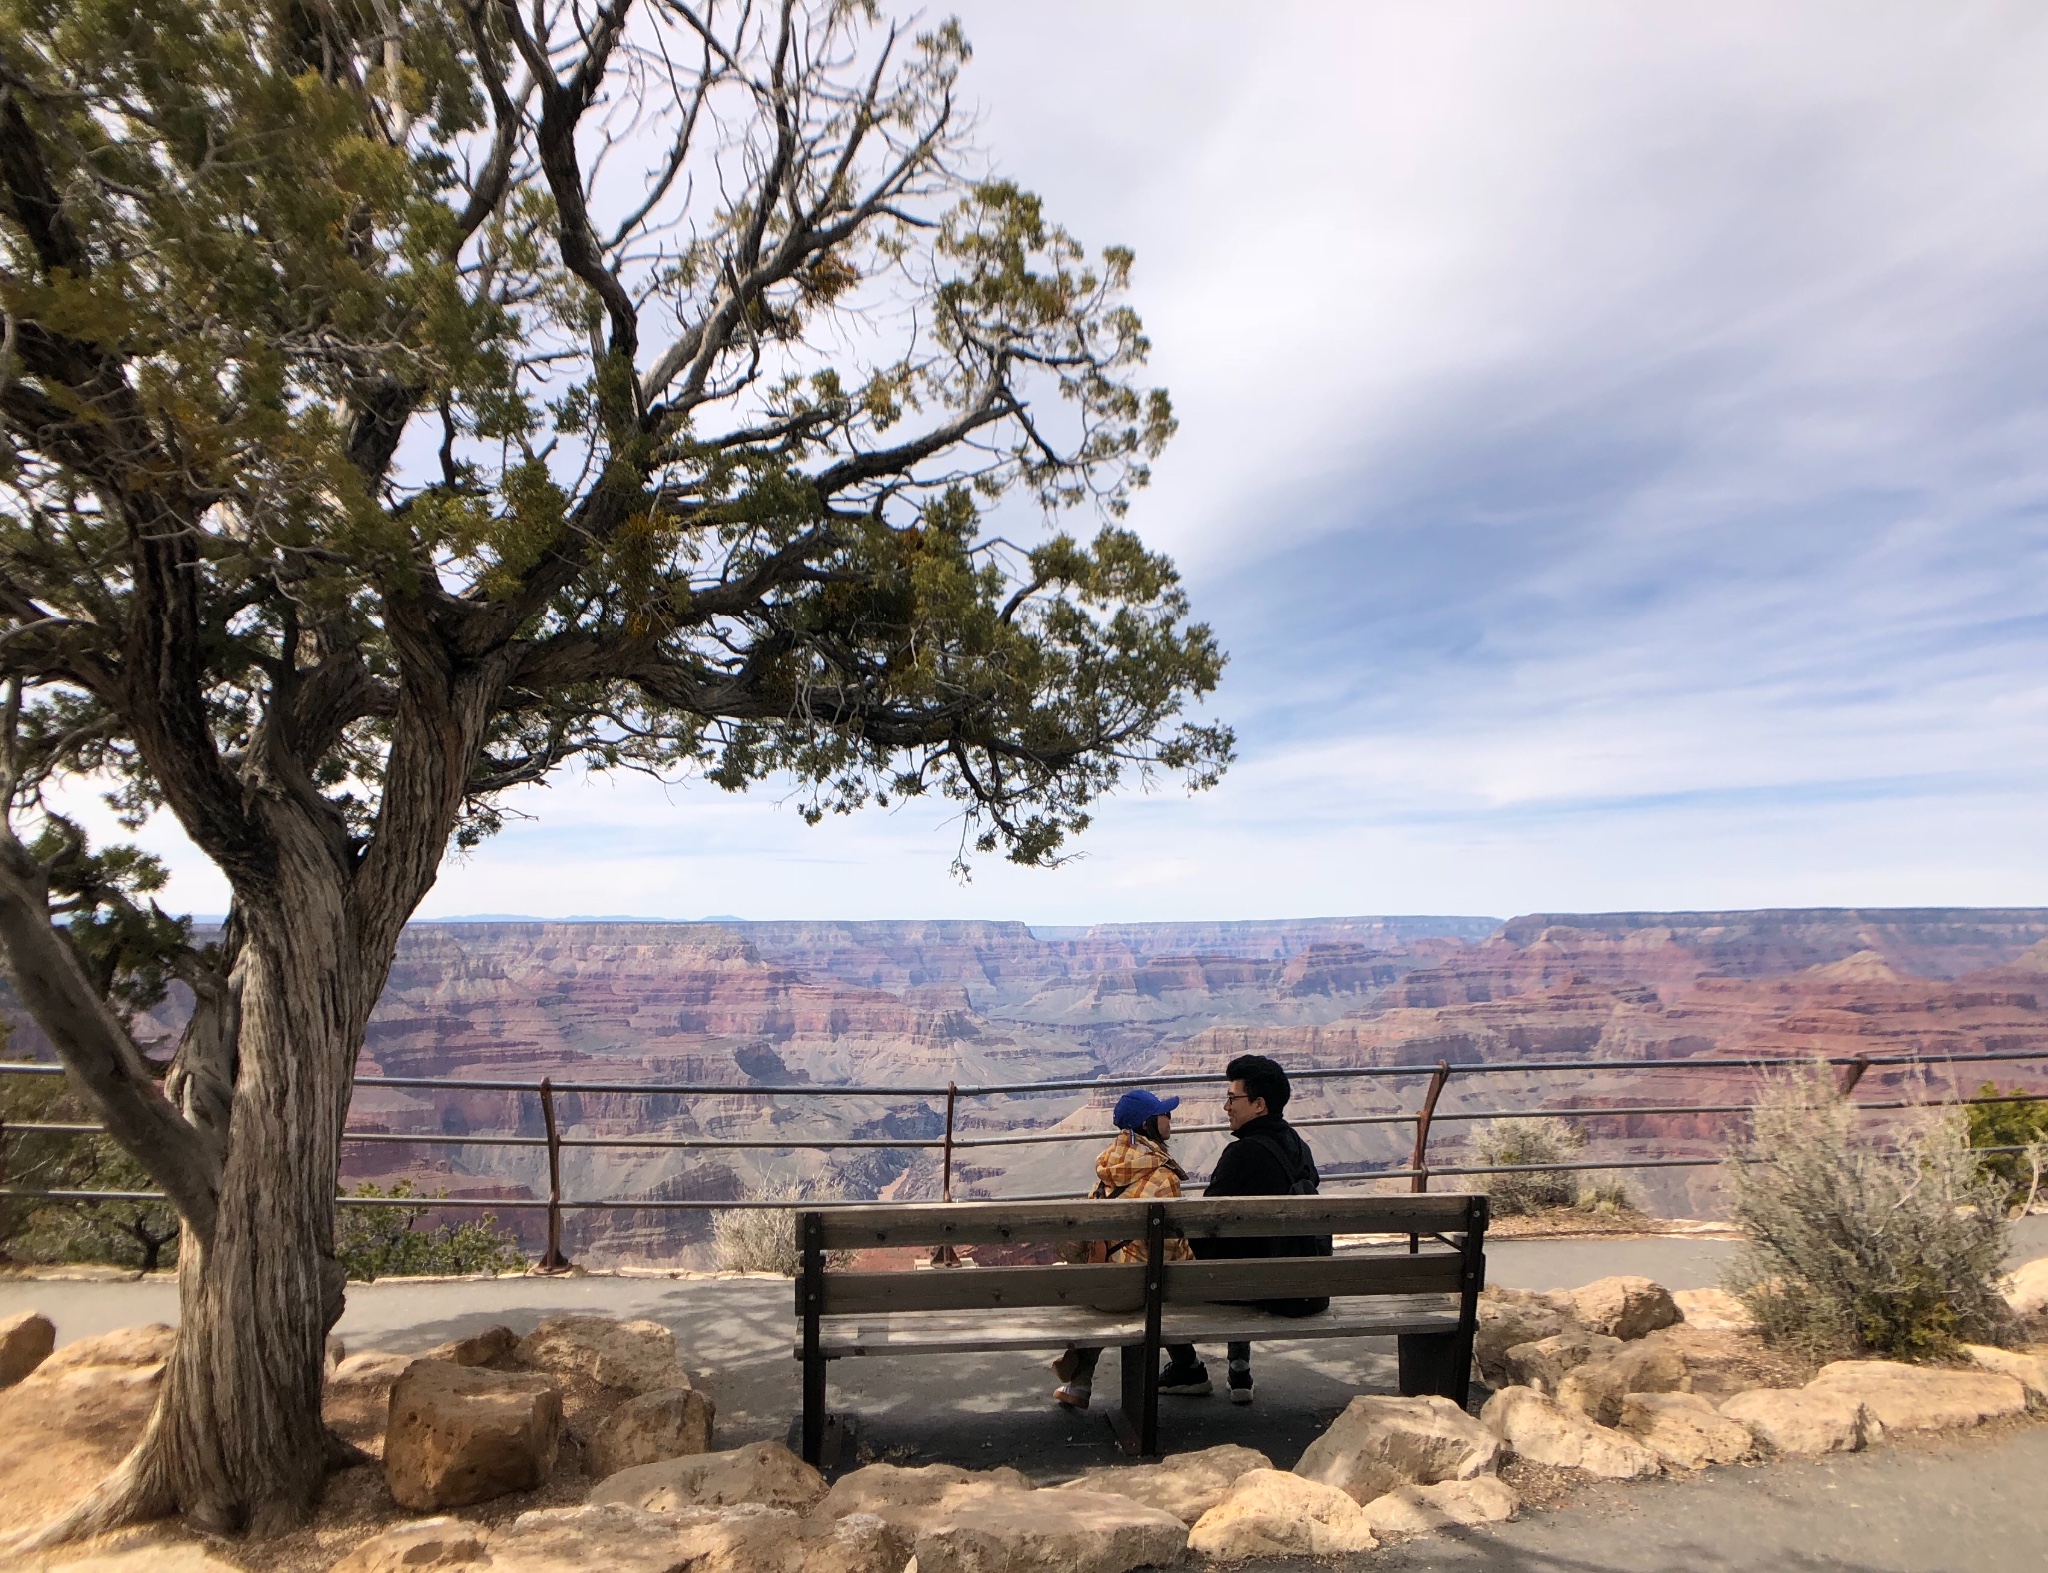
(1613, 450)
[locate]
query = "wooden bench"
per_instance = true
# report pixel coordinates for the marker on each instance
(1422, 1289)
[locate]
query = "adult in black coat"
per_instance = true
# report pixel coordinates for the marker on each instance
(1266, 1157)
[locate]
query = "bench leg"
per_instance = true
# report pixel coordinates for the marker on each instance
(1438, 1363)
(1136, 1374)
(814, 1411)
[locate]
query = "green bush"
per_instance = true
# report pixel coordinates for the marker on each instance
(1531, 1139)
(2012, 1122)
(388, 1242)
(1860, 1244)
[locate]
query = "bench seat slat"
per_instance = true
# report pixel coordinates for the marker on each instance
(1266, 1278)
(943, 1332)
(1004, 1223)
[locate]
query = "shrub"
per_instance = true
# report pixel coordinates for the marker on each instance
(1857, 1245)
(2012, 1122)
(388, 1242)
(763, 1239)
(1528, 1140)
(1606, 1194)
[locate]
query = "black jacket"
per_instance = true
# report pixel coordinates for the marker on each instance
(1267, 1158)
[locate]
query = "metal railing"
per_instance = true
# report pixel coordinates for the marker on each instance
(951, 1139)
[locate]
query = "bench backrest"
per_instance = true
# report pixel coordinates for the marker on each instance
(1440, 1268)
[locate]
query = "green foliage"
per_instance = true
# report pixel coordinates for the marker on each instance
(124, 1234)
(2011, 1122)
(388, 1242)
(1532, 1139)
(1860, 1246)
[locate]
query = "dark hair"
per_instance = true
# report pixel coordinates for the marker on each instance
(1151, 1128)
(1262, 1078)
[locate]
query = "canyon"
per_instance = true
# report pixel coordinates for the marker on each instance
(706, 1016)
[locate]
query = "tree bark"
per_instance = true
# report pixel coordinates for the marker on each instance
(237, 1444)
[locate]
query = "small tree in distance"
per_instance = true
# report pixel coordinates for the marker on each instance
(404, 400)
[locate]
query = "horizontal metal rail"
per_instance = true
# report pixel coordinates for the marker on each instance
(1419, 1172)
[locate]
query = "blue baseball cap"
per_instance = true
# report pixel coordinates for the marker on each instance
(1137, 1106)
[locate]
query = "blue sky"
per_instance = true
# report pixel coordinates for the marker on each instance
(1614, 449)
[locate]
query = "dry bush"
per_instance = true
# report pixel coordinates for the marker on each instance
(1528, 1139)
(1606, 1193)
(1858, 1244)
(763, 1239)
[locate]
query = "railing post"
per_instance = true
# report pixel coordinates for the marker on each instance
(1852, 1073)
(946, 1173)
(1420, 1162)
(554, 1261)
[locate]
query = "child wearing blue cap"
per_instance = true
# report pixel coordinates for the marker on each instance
(1136, 1166)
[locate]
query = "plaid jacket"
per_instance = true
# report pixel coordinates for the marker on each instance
(1136, 1168)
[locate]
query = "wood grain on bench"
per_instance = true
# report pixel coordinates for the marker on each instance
(1197, 1217)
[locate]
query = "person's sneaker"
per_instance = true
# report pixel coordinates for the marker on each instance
(1073, 1395)
(1067, 1367)
(1241, 1388)
(1190, 1383)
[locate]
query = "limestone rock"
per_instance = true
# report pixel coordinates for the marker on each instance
(488, 1347)
(1685, 1430)
(1509, 1317)
(134, 1354)
(1713, 1311)
(1625, 1307)
(2027, 1290)
(1273, 1513)
(1801, 1420)
(581, 1539)
(369, 1368)
(157, 1557)
(764, 1472)
(1546, 1362)
(1543, 1431)
(639, 1357)
(883, 1488)
(983, 1527)
(1186, 1485)
(647, 1429)
(1718, 1364)
(332, 1355)
(418, 1547)
(455, 1435)
(26, 1340)
(1918, 1398)
(2029, 1370)
(1380, 1443)
(1422, 1510)
(1596, 1388)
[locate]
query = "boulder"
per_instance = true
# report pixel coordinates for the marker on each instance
(882, 1488)
(488, 1347)
(743, 1538)
(1685, 1430)
(1380, 1443)
(455, 1435)
(1422, 1510)
(1919, 1398)
(1273, 1513)
(1186, 1485)
(332, 1355)
(418, 1547)
(1713, 1311)
(369, 1368)
(1596, 1388)
(647, 1429)
(1800, 1420)
(1543, 1431)
(26, 1340)
(1509, 1317)
(2026, 1291)
(764, 1472)
(156, 1557)
(134, 1355)
(1546, 1362)
(984, 1527)
(1718, 1364)
(638, 1357)
(1625, 1307)
(2029, 1370)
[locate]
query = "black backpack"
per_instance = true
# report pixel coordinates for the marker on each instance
(1302, 1180)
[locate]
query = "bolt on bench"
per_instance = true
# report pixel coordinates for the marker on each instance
(1423, 1290)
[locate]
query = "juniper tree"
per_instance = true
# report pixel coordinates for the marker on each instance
(406, 399)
